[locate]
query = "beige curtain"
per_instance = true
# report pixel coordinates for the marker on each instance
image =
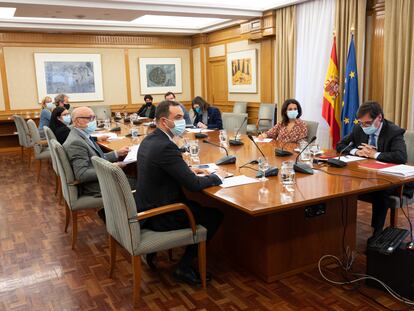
(398, 61)
(350, 14)
(285, 55)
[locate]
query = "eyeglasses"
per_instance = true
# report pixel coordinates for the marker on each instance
(366, 123)
(90, 118)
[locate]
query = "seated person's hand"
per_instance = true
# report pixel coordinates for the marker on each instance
(262, 136)
(120, 164)
(200, 171)
(103, 138)
(123, 151)
(366, 151)
(201, 125)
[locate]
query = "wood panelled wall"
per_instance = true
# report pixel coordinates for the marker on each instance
(374, 70)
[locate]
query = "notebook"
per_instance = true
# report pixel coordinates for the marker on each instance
(399, 170)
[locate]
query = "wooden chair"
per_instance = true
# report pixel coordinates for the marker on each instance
(74, 202)
(122, 224)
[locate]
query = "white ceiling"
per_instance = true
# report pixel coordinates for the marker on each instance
(132, 16)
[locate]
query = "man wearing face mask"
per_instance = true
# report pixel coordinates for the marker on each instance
(148, 109)
(81, 147)
(62, 100)
(377, 138)
(161, 174)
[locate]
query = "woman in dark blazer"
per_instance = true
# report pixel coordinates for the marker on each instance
(59, 122)
(205, 115)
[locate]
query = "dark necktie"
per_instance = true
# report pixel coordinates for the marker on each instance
(97, 148)
(372, 140)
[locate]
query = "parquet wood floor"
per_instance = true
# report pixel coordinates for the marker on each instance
(39, 271)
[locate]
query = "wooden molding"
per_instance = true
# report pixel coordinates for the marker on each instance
(40, 39)
(128, 76)
(5, 85)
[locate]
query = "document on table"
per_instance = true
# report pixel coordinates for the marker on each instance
(238, 181)
(111, 136)
(263, 140)
(399, 170)
(132, 154)
(350, 158)
(211, 168)
(198, 130)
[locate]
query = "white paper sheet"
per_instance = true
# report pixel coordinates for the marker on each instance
(264, 140)
(198, 130)
(350, 158)
(109, 134)
(238, 181)
(399, 170)
(132, 154)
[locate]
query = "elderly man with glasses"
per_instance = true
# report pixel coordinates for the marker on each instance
(81, 147)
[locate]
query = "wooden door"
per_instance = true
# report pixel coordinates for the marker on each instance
(217, 94)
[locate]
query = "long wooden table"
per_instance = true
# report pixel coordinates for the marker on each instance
(270, 236)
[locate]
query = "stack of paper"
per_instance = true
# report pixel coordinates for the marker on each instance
(399, 170)
(238, 181)
(198, 130)
(263, 140)
(132, 154)
(350, 158)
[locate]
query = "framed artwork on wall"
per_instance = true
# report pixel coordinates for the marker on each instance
(242, 72)
(160, 75)
(77, 75)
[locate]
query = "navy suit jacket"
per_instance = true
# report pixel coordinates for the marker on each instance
(213, 119)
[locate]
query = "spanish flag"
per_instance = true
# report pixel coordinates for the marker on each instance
(331, 109)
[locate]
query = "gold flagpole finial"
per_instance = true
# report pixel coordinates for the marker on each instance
(352, 30)
(334, 33)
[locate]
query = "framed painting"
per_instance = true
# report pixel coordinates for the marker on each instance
(160, 75)
(77, 75)
(242, 72)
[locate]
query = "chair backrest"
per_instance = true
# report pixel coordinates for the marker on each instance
(70, 191)
(35, 136)
(23, 131)
(232, 121)
(312, 128)
(49, 136)
(266, 111)
(102, 112)
(409, 141)
(119, 204)
(240, 107)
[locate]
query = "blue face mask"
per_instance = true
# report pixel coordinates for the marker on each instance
(292, 114)
(67, 119)
(370, 129)
(179, 127)
(91, 127)
(198, 110)
(50, 106)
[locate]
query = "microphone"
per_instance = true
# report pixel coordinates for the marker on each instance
(235, 141)
(252, 139)
(281, 152)
(200, 135)
(338, 162)
(301, 167)
(271, 171)
(228, 159)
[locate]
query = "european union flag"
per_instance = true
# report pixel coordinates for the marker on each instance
(350, 101)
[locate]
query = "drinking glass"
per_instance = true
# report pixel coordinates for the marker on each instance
(287, 173)
(263, 167)
(194, 148)
(107, 123)
(314, 149)
(263, 195)
(223, 137)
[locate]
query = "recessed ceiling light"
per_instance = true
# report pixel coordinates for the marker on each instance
(7, 12)
(176, 21)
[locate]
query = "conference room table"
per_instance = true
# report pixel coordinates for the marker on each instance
(276, 233)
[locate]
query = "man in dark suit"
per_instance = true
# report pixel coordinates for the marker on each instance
(148, 109)
(377, 138)
(161, 174)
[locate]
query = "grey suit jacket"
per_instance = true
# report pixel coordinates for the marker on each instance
(80, 150)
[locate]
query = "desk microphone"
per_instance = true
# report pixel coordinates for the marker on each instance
(200, 135)
(252, 139)
(338, 162)
(235, 141)
(281, 152)
(302, 167)
(271, 171)
(228, 159)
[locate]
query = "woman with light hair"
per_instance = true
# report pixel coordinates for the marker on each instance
(45, 114)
